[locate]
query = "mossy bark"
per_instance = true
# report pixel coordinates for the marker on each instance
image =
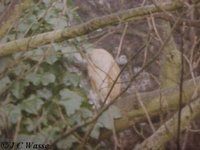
(12, 14)
(170, 59)
(83, 29)
(169, 129)
(166, 97)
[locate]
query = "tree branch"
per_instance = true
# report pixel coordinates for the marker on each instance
(168, 97)
(82, 29)
(168, 130)
(12, 13)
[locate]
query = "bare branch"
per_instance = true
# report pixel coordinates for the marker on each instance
(134, 114)
(85, 28)
(168, 130)
(12, 13)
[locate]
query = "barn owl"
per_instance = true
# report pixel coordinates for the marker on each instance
(103, 71)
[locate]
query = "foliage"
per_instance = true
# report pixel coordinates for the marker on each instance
(39, 89)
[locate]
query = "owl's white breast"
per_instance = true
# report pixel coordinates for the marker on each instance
(102, 71)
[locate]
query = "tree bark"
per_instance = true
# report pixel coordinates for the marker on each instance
(12, 14)
(82, 29)
(167, 98)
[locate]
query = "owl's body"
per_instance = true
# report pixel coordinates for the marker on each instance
(103, 71)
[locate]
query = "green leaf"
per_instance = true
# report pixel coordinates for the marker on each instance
(47, 2)
(70, 100)
(71, 79)
(45, 78)
(86, 113)
(32, 104)
(67, 50)
(44, 93)
(96, 131)
(75, 119)
(51, 55)
(67, 142)
(57, 23)
(24, 137)
(67, 94)
(48, 78)
(50, 132)
(4, 82)
(4, 63)
(39, 139)
(23, 27)
(51, 59)
(71, 106)
(14, 113)
(34, 78)
(37, 54)
(107, 118)
(21, 68)
(30, 124)
(114, 112)
(19, 88)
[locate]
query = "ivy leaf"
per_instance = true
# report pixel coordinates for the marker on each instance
(30, 139)
(52, 56)
(75, 119)
(71, 79)
(37, 54)
(50, 132)
(32, 104)
(45, 78)
(70, 100)
(66, 94)
(51, 59)
(47, 2)
(107, 118)
(34, 78)
(20, 68)
(114, 112)
(44, 93)
(67, 50)
(14, 113)
(71, 105)
(48, 78)
(19, 88)
(96, 131)
(67, 142)
(86, 113)
(4, 83)
(39, 138)
(25, 24)
(4, 63)
(30, 125)
(24, 137)
(57, 23)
